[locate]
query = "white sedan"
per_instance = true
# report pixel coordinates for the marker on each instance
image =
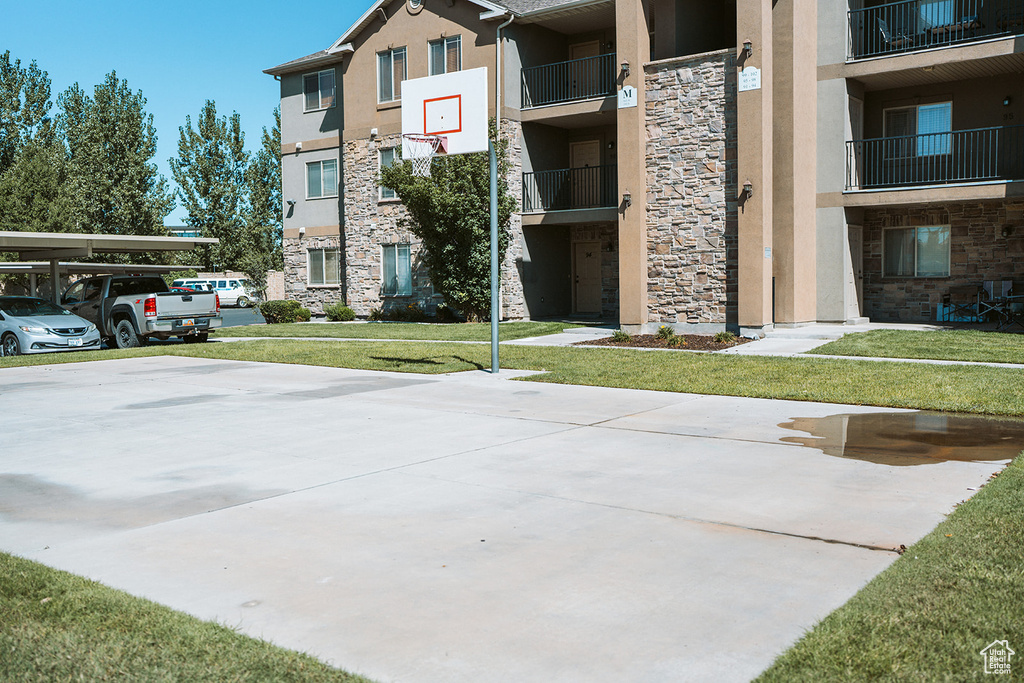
(32, 325)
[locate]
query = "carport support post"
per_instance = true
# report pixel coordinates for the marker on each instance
(33, 279)
(494, 257)
(55, 281)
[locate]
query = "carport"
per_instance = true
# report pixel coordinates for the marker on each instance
(42, 253)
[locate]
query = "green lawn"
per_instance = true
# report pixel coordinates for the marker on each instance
(963, 345)
(964, 389)
(928, 616)
(56, 626)
(376, 330)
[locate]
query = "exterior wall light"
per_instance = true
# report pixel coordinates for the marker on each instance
(625, 68)
(748, 189)
(1007, 100)
(748, 48)
(291, 202)
(627, 198)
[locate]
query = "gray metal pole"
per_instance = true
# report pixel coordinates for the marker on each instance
(494, 258)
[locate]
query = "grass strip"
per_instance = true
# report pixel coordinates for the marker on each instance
(56, 626)
(382, 330)
(962, 345)
(952, 388)
(929, 615)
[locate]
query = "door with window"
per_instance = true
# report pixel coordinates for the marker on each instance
(587, 279)
(585, 163)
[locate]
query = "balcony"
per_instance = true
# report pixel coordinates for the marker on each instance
(590, 187)
(577, 79)
(962, 156)
(914, 25)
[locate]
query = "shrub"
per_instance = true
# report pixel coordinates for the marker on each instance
(620, 336)
(376, 314)
(447, 314)
(665, 332)
(281, 311)
(339, 312)
(724, 337)
(403, 314)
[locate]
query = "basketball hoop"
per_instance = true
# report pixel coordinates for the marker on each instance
(422, 149)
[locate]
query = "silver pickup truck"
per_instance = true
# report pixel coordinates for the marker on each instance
(130, 309)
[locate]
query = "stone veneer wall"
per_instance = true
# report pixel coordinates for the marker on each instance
(295, 275)
(978, 252)
(691, 190)
(513, 301)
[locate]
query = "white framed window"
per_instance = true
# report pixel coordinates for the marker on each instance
(323, 266)
(916, 252)
(318, 90)
(386, 157)
(921, 130)
(391, 71)
(397, 270)
(322, 179)
(445, 55)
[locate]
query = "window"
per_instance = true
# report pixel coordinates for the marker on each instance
(397, 270)
(323, 267)
(445, 55)
(390, 74)
(922, 130)
(322, 179)
(916, 252)
(387, 156)
(318, 89)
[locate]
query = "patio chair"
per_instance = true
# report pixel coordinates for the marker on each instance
(893, 41)
(961, 304)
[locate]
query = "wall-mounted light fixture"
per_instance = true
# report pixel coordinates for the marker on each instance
(627, 198)
(748, 48)
(748, 189)
(1007, 100)
(302, 231)
(625, 68)
(611, 144)
(291, 202)
(373, 132)
(609, 45)
(1007, 231)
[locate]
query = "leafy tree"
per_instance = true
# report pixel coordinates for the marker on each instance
(263, 216)
(450, 212)
(32, 195)
(211, 172)
(112, 186)
(24, 106)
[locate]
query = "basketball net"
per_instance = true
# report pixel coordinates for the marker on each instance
(422, 150)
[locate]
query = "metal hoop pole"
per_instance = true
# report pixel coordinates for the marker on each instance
(494, 257)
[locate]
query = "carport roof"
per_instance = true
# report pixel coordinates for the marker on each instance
(59, 245)
(68, 267)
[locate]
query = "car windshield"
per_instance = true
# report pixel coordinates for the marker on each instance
(26, 307)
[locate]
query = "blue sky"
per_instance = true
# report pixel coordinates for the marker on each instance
(179, 54)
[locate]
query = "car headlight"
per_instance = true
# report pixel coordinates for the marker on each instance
(90, 329)
(34, 330)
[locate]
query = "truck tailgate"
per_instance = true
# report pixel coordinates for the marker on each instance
(187, 305)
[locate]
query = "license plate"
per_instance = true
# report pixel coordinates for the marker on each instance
(188, 322)
(74, 342)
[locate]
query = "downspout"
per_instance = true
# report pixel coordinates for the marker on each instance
(497, 105)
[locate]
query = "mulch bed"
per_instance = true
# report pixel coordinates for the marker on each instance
(694, 342)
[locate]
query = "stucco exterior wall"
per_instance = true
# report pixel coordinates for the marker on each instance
(691, 205)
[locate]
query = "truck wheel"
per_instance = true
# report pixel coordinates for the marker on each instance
(10, 346)
(243, 302)
(124, 335)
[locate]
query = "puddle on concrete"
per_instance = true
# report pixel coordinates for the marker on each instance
(910, 438)
(27, 498)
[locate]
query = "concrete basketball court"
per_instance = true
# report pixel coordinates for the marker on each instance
(455, 528)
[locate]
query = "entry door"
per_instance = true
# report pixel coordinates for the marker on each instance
(587, 290)
(855, 132)
(855, 273)
(584, 75)
(585, 160)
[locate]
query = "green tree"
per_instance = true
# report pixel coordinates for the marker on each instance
(450, 212)
(112, 186)
(263, 215)
(210, 170)
(32, 193)
(24, 106)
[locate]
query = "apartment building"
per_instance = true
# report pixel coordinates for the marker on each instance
(708, 164)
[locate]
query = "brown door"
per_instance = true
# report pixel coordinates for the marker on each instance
(584, 74)
(587, 289)
(585, 161)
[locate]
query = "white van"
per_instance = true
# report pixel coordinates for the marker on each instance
(232, 291)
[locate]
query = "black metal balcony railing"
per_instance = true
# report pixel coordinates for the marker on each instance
(591, 187)
(936, 158)
(911, 25)
(577, 79)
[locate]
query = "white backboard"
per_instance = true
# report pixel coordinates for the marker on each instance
(453, 105)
